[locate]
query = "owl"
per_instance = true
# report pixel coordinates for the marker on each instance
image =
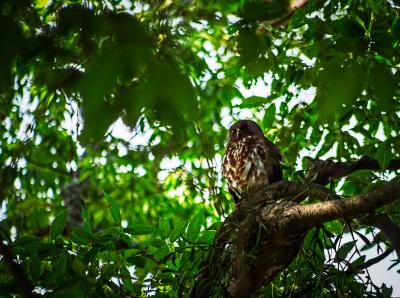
(251, 160)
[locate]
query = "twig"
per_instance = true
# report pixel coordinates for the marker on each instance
(388, 227)
(373, 261)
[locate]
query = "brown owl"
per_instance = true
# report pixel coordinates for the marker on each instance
(250, 160)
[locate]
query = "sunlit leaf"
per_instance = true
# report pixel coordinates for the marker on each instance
(177, 231)
(269, 116)
(164, 225)
(114, 210)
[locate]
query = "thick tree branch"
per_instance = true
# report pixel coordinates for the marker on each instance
(285, 224)
(319, 213)
(324, 170)
(295, 191)
(263, 235)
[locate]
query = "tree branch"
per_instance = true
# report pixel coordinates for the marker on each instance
(286, 224)
(324, 170)
(266, 231)
(319, 213)
(294, 191)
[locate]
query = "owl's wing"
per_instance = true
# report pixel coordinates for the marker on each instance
(273, 159)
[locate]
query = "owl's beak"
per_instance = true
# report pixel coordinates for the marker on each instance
(237, 133)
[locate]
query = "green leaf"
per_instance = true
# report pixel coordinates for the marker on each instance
(384, 84)
(58, 224)
(362, 174)
(164, 225)
(141, 229)
(386, 291)
(207, 237)
(78, 267)
(264, 10)
(161, 253)
(34, 267)
(384, 155)
(60, 267)
(24, 240)
(269, 116)
(141, 262)
(131, 252)
(215, 226)
(79, 236)
(253, 102)
(86, 221)
(194, 226)
(250, 46)
(358, 262)
(126, 278)
(114, 210)
(71, 291)
(338, 85)
(177, 231)
(344, 250)
(108, 269)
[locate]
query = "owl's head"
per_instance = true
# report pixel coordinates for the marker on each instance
(244, 128)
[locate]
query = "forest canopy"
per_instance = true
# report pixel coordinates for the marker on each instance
(113, 125)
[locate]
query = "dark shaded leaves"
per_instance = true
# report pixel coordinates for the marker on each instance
(344, 250)
(340, 85)
(384, 155)
(264, 10)
(58, 224)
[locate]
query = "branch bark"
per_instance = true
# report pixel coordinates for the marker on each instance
(324, 170)
(284, 224)
(294, 191)
(319, 213)
(262, 236)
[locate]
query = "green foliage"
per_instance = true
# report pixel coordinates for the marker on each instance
(176, 73)
(58, 224)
